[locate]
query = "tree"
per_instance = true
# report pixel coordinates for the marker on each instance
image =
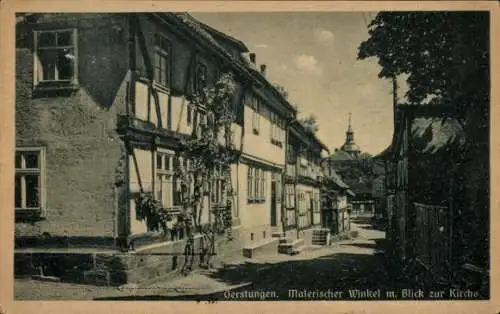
(282, 91)
(445, 54)
(310, 123)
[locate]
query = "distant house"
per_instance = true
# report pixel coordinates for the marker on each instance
(426, 192)
(303, 180)
(335, 209)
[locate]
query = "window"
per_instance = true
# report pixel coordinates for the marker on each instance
(277, 134)
(250, 182)
(262, 185)
(256, 185)
(56, 56)
(162, 65)
(202, 121)
(165, 182)
(200, 78)
(255, 115)
(29, 180)
(273, 127)
(218, 189)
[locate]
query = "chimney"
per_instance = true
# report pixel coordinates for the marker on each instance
(252, 57)
(263, 68)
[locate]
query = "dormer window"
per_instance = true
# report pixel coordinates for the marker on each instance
(56, 58)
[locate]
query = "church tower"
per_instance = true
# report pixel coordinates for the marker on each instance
(349, 145)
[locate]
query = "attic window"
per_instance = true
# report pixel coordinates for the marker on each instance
(55, 57)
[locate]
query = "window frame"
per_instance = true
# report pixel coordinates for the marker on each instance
(250, 183)
(159, 49)
(169, 174)
(39, 81)
(198, 88)
(40, 172)
(255, 105)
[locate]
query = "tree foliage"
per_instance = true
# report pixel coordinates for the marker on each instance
(282, 91)
(445, 54)
(310, 123)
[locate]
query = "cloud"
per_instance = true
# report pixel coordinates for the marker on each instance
(283, 67)
(324, 36)
(261, 46)
(307, 64)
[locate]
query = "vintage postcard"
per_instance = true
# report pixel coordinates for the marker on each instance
(268, 152)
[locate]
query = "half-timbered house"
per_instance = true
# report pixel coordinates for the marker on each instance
(427, 196)
(302, 182)
(103, 103)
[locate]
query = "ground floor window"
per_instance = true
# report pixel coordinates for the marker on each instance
(256, 184)
(218, 197)
(167, 184)
(29, 165)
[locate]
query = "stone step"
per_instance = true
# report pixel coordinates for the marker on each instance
(286, 240)
(261, 248)
(320, 237)
(290, 247)
(276, 234)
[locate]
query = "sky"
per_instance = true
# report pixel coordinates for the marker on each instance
(313, 55)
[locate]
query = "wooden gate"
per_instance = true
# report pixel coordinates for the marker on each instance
(432, 237)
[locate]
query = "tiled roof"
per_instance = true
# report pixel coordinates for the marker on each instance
(431, 135)
(200, 29)
(336, 179)
(341, 155)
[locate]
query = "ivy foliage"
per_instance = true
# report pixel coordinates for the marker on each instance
(210, 152)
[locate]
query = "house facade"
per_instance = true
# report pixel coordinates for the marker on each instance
(103, 103)
(335, 208)
(302, 182)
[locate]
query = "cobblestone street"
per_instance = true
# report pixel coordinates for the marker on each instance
(356, 263)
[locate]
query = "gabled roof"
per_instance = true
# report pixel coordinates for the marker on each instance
(434, 128)
(206, 32)
(238, 43)
(305, 135)
(335, 179)
(434, 134)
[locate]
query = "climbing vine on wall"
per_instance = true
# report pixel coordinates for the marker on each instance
(210, 152)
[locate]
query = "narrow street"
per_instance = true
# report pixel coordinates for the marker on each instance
(349, 264)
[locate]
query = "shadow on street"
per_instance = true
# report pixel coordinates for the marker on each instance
(361, 266)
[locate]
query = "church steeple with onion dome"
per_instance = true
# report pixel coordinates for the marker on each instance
(349, 145)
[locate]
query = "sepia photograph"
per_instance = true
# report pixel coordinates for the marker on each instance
(252, 156)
